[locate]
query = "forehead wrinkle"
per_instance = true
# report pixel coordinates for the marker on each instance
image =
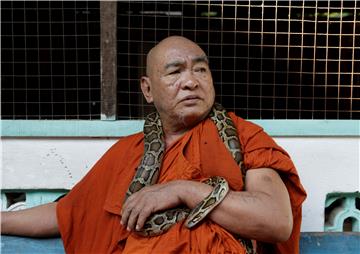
(178, 62)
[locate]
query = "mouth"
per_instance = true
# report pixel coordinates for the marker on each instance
(191, 98)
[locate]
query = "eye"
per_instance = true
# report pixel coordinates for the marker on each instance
(177, 71)
(200, 69)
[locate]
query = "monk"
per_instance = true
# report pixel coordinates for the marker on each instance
(261, 211)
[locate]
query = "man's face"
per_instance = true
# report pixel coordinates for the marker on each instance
(181, 83)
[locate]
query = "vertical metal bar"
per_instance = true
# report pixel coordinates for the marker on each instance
(142, 101)
(314, 69)
(301, 85)
(327, 60)
(77, 114)
(339, 74)
(108, 60)
(289, 32)
(129, 56)
(262, 61)
(51, 61)
(248, 60)
(26, 67)
(64, 59)
(235, 73)
(221, 48)
(274, 60)
(352, 81)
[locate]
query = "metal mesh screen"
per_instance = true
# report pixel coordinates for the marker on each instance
(50, 60)
(269, 59)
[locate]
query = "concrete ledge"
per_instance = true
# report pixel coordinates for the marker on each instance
(310, 243)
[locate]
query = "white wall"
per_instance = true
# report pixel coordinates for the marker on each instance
(325, 165)
(44, 163)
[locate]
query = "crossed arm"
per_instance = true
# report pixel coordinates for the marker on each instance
(261, 212)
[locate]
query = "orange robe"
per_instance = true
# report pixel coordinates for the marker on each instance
(89, 216)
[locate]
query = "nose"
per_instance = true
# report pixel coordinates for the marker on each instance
(190, 82)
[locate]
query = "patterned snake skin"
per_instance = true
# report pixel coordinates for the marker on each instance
(148, 172)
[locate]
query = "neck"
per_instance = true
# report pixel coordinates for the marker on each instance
(173, 130)
(171, 139)
(171, 135)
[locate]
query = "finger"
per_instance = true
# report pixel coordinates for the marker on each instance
(127, 207)
(132, 220)
(143, 216)
(126, 211)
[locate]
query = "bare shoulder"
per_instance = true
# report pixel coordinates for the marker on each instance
(263, 179)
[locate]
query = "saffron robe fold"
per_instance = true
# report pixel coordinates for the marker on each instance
(89, 216)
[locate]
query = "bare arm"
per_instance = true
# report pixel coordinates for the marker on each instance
(261, 212)
(39, 221)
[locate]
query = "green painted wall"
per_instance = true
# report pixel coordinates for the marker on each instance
(97, 128)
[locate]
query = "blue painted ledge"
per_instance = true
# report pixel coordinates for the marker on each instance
(98, 128)
(24, 245)
(330, 242)
(310, 243)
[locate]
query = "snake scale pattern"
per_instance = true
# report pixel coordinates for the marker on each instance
(149, 169)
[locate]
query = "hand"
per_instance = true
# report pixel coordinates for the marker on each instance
(140, 205)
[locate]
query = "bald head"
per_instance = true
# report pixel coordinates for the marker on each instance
(179, 83)
(171, 43)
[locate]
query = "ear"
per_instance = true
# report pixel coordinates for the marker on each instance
(146, 89)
